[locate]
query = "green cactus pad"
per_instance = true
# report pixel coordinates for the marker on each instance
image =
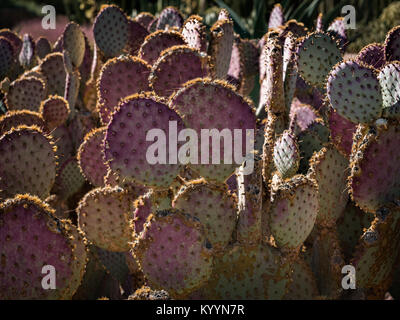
(354, 92)
(26, 93)
(13, 119)
(286, 155)
(74, 43)
(174, 253)
(157, 42)
(31, 238)
(28, 164)
(120, 77)
(208, 104)
(55, 111)
(213, 206)
(91, 157)
(176, 66)
(375, 172)
(330, 169)
(111, 30)
(194, 33)
(377, 251)
(303, 285)
(52, 67)
(293, 211)
(237, 273)
(104, 215)
(317, 54)
(220, 48)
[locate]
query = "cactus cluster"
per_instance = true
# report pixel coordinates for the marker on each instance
(88, 187)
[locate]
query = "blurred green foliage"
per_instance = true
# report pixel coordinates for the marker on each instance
(250, 16)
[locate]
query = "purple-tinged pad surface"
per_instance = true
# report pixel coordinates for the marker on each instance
(173, 253)
(91, 158)
(342, 131)
(111, 30)
(176, 66)
(276, 18)
(43, 47)
(354, 92)
(14, 39)
(28, 162)
(392, 45)
(207, 104)
(52, 67)
(373, 55)
(145, 19)
(338, 30)
(32, 238)
(6, 57)
(104, 216)
(157, 42)
(374, 164)
(169, 17)
(119, 78)
(302, 115)
(13, 119)
(194, 33)
(55, 111)
(137, 34)
(127, 150)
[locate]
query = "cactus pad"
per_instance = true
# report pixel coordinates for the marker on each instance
(342, 131)
(74, 43)
(317, 54)
(194, 33)
(26, 93)
(373, 55)
(169, 17)
(276, 18)
(392, 42)
(20, 117)
(145, 19)
(26, 56)
(176, 66)
(42, 47)
(52, 67)
(119, 78)
(353, 91)
(137, 34)
(286, 155)
(91, 157)
(304, 284)
(389, 78)
(31, 238)
(55, 111)
(213, 206)
(173, 253)
(29, 163)
(6, 57)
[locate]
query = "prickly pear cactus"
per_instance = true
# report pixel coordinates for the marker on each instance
(286, 155)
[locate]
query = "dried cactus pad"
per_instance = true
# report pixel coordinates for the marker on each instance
(378, 250)
(237, 274)
(55, 111)
(392, 43)
(26, 93)
(104, 216)
(20, 117)
(330, 170)
(91, 157)
(317, 54)
(342, 131)
(27, 54)
(176, 66)
(220, 48)
(375, 172)
(119, 78)
(111, 30)
(286, 155)
(389, 78)
(52, 67)
(127, 150)
(169, 17)
(157, 42)
(194, 33)
(213, 206)
(6, 57)
(31, 238)
(294, 211)
(174, 253)
(373, 55)
(354, 92)
(207, 104)
(28, 164)
(74, 43)
(276, 18)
